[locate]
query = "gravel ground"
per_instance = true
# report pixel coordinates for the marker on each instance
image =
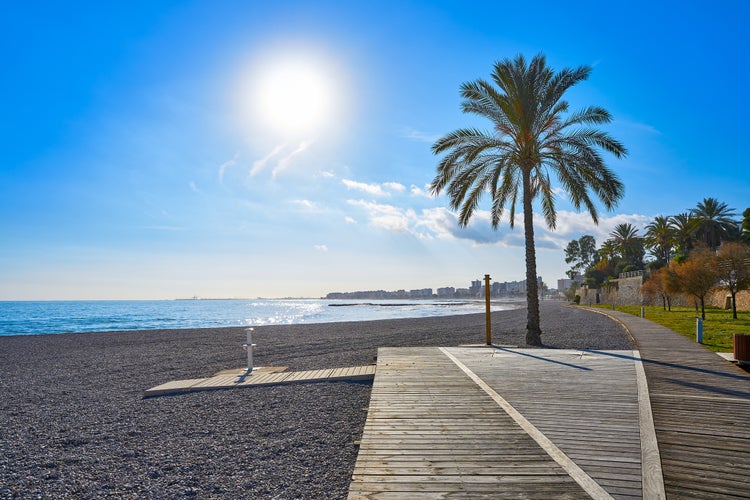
(74, 423)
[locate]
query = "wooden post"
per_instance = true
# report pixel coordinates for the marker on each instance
(487, 308)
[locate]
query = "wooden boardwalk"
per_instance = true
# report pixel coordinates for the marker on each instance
(701, 411)
(507, 423)
(235, 379)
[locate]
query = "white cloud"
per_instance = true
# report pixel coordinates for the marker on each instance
(227, 164)
(308, 206)
(327, 174)
(194, 188)
(259, 165)
(638, 126)
(417, 135)
(418, 191)
(394, 186)
(321, 248)
(373, 189)
(285, 161)
(350, 220)
(388, 217)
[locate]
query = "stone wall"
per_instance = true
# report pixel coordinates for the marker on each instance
(627, 292)
(722, 299)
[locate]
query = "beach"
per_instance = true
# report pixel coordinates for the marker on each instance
(75, 423)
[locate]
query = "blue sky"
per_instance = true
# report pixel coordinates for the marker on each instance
(138, 160)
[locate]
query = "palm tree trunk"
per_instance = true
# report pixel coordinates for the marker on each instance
(533, 330)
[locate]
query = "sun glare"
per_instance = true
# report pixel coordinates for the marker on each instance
(293, 97)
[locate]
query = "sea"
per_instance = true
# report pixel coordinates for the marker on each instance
(52, 317)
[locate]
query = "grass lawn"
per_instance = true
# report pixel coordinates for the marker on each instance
(718, 328)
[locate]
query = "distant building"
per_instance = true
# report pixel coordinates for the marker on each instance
(447, 292)
(564, 284)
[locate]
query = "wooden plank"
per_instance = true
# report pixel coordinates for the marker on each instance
(426, 421)
(700, 404)
(230, 379)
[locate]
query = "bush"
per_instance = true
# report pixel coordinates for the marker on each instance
(577, 299)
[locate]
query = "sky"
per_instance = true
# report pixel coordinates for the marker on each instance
(158, 150)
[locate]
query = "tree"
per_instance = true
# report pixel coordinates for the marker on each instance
(698, 275)
(684, 228)
(582, 254)
(660, 239)
(745, 236)
(733, 269)
(658, 285)
(714, 222)
(533, 137)
(628, 244)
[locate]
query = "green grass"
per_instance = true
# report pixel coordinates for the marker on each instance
(718, 328)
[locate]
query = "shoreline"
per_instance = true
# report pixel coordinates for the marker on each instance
(59, 317)
(77, 424)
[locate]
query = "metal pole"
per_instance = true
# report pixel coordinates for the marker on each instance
(643, 312)
(487, 308)
(699, 330)
(249, 347)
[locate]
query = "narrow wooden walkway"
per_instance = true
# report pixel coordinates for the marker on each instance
(238, 379)
(506, 423)
(701, 411)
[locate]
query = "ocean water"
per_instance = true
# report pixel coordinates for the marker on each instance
(50, 317)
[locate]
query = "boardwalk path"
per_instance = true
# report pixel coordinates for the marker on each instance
(553, 423)
(501, 423)
(701, 410)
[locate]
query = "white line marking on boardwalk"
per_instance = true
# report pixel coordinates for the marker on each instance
(574, 471)
(652, 478)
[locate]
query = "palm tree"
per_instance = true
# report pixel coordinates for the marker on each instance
(532, 138)
(660, 238)
(628, 244)
(684, 227)
(714, 222)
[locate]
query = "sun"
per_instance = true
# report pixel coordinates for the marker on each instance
(293, 97)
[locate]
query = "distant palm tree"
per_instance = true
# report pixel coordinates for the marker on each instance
(660, 238)
(714, 222)
(608, 251)
(684, 226)
(629, 244)
(532, 138)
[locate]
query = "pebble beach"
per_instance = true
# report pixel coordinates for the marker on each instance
(75, 424)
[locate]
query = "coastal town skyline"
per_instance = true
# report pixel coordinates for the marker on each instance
(231, 149)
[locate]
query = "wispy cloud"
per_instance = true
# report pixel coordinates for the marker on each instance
(259, 165)
(321, 248)
(286, 160)
(374, 189)
(637, 126)
(194, 188)
(417, 135)
(227, 164)
(308, 206)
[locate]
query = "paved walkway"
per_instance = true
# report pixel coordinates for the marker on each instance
(668, 420)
